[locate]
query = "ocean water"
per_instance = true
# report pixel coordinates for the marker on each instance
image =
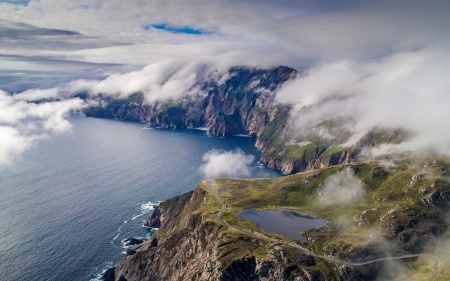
(70, 201)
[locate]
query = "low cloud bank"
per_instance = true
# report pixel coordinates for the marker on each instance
(220, 163)
(407, 90)
(166, 80)
(23, 122)
(341, 188)
(35, 113)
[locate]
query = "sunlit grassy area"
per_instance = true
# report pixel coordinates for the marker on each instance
(392, 215)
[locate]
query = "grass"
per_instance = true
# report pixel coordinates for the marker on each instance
(419, 270)
(389, 218)
(351, 224)
(212, 202)
(330, 151)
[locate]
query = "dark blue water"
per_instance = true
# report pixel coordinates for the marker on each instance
(286, 222)
(68, 203)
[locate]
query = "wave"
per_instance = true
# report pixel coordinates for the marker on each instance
(145, 209)
(148, 207)
(118, 234)
(137, 216)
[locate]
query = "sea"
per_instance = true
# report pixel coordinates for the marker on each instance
(68, 203)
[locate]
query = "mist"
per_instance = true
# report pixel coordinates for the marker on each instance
(167, 80)
(219, 163)
(407, 90)
(341, 188)
(24, 122)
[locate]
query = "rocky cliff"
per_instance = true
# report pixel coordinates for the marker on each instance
(191, 245)
(399, 211)
(242, 101)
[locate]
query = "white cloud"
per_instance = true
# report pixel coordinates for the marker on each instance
(167, 80)
(341, 188)
(22, 123)
(12, 144)
(219, 163)
(383, 63)
(37, 94)
(406, 90)
(292, 33)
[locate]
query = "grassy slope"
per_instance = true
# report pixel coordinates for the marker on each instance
(392, 210)
(351, 224)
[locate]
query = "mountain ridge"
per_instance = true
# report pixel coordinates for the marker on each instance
(243, 101)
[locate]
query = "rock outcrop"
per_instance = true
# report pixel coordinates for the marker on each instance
(155, 219)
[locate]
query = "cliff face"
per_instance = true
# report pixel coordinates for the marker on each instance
(401, 211)
(312, 153)
(242, 101)
(191, 245)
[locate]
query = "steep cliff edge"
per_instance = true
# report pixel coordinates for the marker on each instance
(397, 212)
(191, 245)
(242, 101)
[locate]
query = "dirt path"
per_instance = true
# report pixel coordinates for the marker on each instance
(258, 235)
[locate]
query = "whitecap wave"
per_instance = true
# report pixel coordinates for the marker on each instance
(145, 208)
(202, 128)
(118, 234)
(136, 216)
(148, 207)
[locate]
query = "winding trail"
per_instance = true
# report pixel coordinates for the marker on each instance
(258, 235)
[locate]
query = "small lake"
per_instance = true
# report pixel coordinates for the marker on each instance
(289, 223)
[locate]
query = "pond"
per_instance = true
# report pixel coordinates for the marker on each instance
(289, 223)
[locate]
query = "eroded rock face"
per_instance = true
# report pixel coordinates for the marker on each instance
(155, 219)
(240, 103)
(304, 163)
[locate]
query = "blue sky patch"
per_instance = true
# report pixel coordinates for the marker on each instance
(16, 2)
(173, 29)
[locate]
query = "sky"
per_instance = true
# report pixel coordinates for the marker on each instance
(47, 42)
(381, 63)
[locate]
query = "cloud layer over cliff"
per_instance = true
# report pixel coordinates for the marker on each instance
(226, 163)
(371, 63)
(407, 90)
